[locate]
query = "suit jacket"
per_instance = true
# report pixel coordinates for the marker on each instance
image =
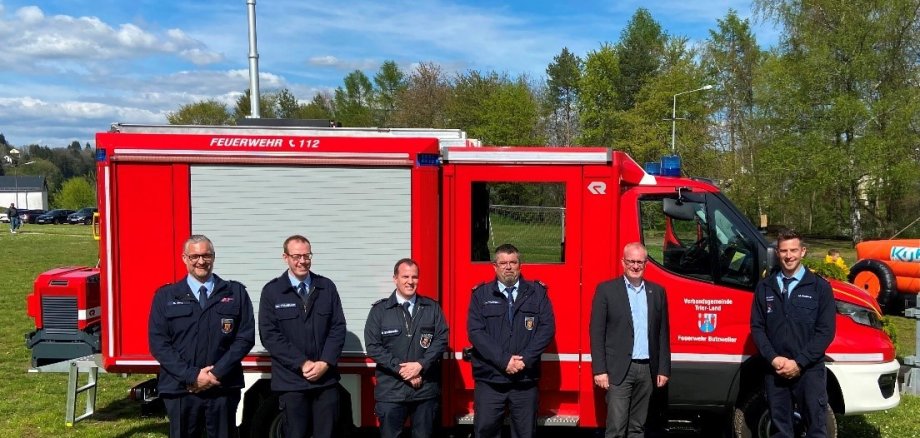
(612, 330)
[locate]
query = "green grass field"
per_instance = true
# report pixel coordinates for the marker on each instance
(32, 405)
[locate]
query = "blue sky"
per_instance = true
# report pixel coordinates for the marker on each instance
(72, 67)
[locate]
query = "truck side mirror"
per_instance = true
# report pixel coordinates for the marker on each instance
(679, 210)
(771, 258)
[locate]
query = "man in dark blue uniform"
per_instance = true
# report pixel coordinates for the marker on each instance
(302, 325)
(793, 323)
(200, 329)
(510, 324)
(406, 334)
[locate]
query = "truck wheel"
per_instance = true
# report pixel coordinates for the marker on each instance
(876, 278)
(266, 422)
(752, 418)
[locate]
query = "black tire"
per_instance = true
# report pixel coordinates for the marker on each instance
(886, 280)
(266, 422)
(752, 418)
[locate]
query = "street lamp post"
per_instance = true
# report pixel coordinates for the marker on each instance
(14, 161)
(674, 114)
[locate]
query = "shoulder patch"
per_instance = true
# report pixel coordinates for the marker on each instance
(479, 285)
(379, 301)
(537, 284)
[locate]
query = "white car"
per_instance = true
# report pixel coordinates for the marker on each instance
(4, 218)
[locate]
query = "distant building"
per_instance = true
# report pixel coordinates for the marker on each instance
(26, 191)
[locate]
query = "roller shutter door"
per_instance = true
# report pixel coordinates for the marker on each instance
(357, 220)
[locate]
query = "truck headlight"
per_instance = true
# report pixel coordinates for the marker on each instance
(859, 314)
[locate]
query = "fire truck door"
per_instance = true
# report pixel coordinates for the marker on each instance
(538, 210)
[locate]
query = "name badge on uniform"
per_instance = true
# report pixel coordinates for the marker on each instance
(226, 325)
(425, 341)
(529, 322)
(285, 305)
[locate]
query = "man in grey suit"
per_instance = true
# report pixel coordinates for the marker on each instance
(630, 347)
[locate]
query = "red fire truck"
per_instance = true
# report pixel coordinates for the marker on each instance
(367, 197)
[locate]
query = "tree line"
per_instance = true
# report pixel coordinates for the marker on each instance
(820, 132)
(70, 172)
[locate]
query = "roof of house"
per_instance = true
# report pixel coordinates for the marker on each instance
(22, 183)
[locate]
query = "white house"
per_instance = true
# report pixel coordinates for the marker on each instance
(26, 191)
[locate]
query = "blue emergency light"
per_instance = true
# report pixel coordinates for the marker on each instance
(428, 160)
(668, 166)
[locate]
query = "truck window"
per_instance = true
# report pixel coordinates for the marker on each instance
(705, 241)
(736, 255)
(531, 216)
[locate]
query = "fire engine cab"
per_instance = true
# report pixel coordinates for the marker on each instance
(368, 197)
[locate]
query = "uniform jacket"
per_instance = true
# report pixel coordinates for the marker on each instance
(495, 340)
(611, 330)
(295, 330)
(800, 327)
(185, 338)
(391, 340)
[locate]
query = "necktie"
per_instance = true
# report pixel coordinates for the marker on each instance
(408, 316)
(786, 282)
(302, 289)
(202, 296)
(510, 292)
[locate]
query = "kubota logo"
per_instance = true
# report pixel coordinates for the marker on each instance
(905, 254)
(597, 187)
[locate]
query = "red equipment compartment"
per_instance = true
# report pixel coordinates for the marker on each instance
(73, 291)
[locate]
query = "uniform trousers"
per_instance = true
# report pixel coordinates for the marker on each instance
(489, 400)
(627, 403)
(393, 416)
(808, 392)
(213, 411)
(310, 413)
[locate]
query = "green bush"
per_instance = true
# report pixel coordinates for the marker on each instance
(890, 329)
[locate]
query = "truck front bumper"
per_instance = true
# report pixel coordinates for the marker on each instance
(867, 387)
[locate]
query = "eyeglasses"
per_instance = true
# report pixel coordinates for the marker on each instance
(195, 257)
(301, 257)
(634, 262)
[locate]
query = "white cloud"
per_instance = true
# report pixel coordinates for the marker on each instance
(327, 60)
(30, 15)
(344, 64)
(35, 42)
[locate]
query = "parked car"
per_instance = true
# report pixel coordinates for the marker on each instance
(4, 218)
(30, 216)
(58, 216)
(82, 216)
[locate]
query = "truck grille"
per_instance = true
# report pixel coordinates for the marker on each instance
(59, 315)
